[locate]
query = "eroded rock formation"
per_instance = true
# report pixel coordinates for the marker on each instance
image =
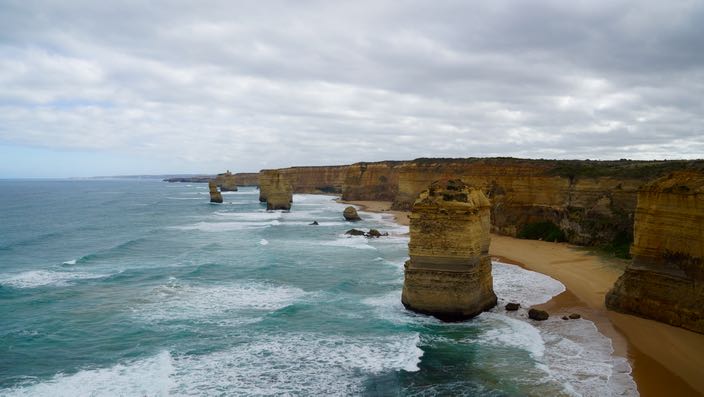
(215, 195)
(227, 182)
(279, 194)
(665, 281)
(449, 272)
(350, 214)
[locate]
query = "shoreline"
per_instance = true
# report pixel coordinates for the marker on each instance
(664, 360)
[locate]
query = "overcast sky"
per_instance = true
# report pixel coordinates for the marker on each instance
(134, 87)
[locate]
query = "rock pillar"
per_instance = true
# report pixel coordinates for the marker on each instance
(279, 195)
(449, 273)
(215, 195)
(665, 281)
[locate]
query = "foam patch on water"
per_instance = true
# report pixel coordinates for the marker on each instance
(225, 226)
(506, 331)
(71, 262)
(249, 216)
(41, 278)
(148, 377)
(298, 364)
(217, 304)
(357, 242)
(263, 241)
(291, 364)
(515, 284)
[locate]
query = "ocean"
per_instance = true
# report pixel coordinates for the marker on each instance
(143, 288)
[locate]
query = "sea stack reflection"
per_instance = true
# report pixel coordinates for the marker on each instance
(449, 273)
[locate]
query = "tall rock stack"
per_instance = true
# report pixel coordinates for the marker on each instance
(449, 273)
(665, 281)
(215, 195)
(227, 182)
(279, 195)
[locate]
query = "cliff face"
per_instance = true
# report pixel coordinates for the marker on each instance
(665, 281)
(589, 203)
(584, 202)
(246, 178)
(226, 182)
(449, 273)
(372, 181)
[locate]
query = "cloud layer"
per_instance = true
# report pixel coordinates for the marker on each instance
(198, 86)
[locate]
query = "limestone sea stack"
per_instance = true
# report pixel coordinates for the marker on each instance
(665, 281)
(449, 272)
(215, 195)
(280, 194)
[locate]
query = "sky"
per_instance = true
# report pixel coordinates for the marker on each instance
(134, 87)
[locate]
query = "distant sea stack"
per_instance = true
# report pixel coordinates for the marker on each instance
(665, 281)
(449, 272)
(227, 182)
(215, 195)
(279, 193)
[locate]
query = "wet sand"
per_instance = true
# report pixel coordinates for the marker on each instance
(666, 360)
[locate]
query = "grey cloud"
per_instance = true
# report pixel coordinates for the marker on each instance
(249, 85)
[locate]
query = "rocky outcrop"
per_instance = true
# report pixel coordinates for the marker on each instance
(665, 280)
(350, 214)
(538, 315)
(215, 195)
(372, 181)
(279, 195)
(449, 272)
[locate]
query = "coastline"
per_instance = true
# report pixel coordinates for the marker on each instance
(665, 360)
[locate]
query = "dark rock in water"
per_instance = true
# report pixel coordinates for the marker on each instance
(315, 223)
(575, 316)
(350, 214)
(373, 233)
(565, 318)
(537, 314)
(354, 232)
(511, 306)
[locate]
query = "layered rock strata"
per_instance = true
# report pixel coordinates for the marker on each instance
(279, 194)
(215, 195)
(665, 280)
(587, 202)
(449, 271)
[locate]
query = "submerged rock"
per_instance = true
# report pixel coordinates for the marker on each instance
(512, 307)
(350, 214)
(574, 316)
(215, 195)
(354, 232)
(538, 315)
(314, 223)
(449, 273)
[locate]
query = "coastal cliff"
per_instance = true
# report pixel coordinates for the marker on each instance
(448, 274)
(580, 201)
(665, 281)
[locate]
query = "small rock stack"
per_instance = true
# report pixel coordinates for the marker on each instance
(215, 195)
(449, 273)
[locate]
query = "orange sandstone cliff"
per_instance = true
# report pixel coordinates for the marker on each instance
(665, 281)
(581, 201)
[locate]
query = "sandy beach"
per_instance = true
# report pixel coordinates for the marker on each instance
(666, 360)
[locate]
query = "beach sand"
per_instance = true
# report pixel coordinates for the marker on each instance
(666, 360)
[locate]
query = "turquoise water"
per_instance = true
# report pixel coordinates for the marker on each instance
(128, 287)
